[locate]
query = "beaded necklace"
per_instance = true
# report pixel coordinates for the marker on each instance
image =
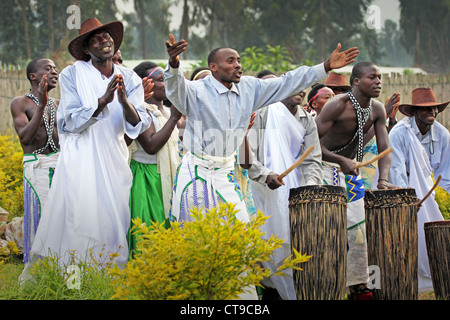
(363, 115)
(49, 124)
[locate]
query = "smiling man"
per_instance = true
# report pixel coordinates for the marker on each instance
(34, 116)
(341, 126)
(421, 148)
(87, 208)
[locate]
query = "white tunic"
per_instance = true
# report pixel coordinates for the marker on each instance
(87, 206)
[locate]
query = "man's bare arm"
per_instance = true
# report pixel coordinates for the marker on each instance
(27, 129)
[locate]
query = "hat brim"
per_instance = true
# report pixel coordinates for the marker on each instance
(407, 109)
(336, 86)
(115, 29)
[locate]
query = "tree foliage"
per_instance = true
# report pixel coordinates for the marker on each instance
(425, 27)
(308, 29)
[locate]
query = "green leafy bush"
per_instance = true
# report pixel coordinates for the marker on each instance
(11, 175)
(214, 256)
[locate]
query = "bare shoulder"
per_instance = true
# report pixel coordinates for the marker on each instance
(19, 103)
(378, 109)
(335, 106)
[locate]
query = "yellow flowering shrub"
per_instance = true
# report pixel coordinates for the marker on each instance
(443, 199)
(11, 175)
(212, 257)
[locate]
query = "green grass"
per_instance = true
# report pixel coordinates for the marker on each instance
(52, 282)
(95, 286)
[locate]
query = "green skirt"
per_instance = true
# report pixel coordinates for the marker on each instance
(146, 201)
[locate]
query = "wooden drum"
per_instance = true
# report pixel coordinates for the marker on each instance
(391, 228)
(437, 238)
(318, 222)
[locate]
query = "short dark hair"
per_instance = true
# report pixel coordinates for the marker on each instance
(264, 73)
(32, 67)
(212, 55)
(141, 68)
(358, 70)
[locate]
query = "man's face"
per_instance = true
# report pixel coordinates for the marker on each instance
(297, 98)
(425, 115)
(370, 81)
(100, 45)
(227, 67)
(46, 67)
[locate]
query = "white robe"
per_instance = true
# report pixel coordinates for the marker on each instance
(410, 155)
(88, 204)
(283, 145)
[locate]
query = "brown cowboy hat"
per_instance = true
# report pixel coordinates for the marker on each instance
(115, 29)
(422, 97)
(337, 80)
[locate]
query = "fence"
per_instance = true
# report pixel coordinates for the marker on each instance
(14, 83)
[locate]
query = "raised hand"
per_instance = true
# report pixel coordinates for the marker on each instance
(121, 90)
(43, 91)
(109, 94)
(392, 105)
(174, 49)
(339, 59)
(148, 84)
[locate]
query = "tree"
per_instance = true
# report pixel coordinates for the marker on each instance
(425, 27)
(151, 24)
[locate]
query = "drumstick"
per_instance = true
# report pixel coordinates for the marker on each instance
(429, 192)
(381, 155)
(296, 163)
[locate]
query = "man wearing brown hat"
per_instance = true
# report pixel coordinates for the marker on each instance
(421, 148)
(88, 204)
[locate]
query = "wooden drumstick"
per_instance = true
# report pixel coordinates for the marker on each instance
(296, 163)
(429, 192)
(381, 155)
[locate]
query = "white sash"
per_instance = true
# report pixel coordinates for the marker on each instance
(283, 142)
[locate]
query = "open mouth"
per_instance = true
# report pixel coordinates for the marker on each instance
(106, 49)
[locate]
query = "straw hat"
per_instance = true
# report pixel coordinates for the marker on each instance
(422, 97)
(115, 28)
(337, 80)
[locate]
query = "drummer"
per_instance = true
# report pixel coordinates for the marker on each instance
(419, 141)
(341, 131)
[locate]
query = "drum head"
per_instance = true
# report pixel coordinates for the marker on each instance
(318, 190)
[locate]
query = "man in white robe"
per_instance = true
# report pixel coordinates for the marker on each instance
(421, 148)
(87, 211)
